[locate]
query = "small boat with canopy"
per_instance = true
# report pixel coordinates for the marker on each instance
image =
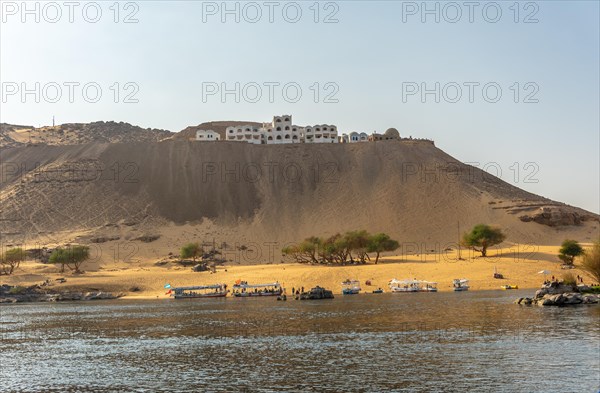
(460, 284)
(243, 289)
(200, 291)
(400, 286)
(350, 287)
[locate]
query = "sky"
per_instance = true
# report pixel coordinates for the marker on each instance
(511, 87)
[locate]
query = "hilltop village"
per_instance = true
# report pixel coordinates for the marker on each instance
(282, 131)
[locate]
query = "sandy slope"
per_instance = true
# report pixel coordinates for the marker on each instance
(520, 266)
(260, 196)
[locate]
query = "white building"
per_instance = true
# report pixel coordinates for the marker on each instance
(354, 137)
(207, 135)
(322, 133)
(245, 133)
(282, 131)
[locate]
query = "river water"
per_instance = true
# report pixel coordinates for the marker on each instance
(412, 342)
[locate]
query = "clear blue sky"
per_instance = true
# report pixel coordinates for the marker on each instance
(369, 53)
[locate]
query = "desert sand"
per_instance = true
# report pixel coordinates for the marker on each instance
(519, 267)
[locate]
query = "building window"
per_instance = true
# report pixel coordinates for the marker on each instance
(270, 138)
(279, 137)
(278, 120)
(287, 136)
(287, 128)
(278, 128)
(287, 119)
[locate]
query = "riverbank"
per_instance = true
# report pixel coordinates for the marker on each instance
(146, 280)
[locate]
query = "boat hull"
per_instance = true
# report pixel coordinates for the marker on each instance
(257, 294)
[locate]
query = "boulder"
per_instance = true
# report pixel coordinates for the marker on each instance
(590, 299)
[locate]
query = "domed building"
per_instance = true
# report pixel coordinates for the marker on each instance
(390, 134)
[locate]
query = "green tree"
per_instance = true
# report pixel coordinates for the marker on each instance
(11, 260)
(569, 249)
(305, 252)
(192, 250)
(381, 242)
(591, 261)
(73, 255)
(482, 237)
(358, 242)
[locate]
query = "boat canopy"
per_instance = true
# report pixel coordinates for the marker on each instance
(411, 282)
(351, 282)
(405, 282)
(195, 288)
(461, 281)
(243, 285)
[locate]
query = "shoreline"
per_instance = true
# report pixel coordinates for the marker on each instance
(147, 281)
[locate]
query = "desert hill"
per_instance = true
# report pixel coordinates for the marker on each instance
(166, 193)
(78, 133)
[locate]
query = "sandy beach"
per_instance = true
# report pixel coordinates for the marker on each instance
(519, 268)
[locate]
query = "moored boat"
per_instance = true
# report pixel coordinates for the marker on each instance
(199, 291)
(243, 289)
(316, 293)
(460, 284)
(350, 287)
(398, 286)
(428, 286)
(508, 286)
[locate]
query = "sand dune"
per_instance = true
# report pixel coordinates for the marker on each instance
(258, 195)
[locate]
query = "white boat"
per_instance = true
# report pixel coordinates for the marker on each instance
(397, 286)
(243, 289)
(351, 287)
(428, 286)
(460, 284)
(200, 291)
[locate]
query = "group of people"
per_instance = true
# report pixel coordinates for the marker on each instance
(297, 291)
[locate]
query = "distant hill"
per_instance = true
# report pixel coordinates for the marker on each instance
(78, 133)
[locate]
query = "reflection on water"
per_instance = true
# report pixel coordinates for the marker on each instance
(475, 341)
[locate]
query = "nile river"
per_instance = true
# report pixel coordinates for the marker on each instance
(412, 342)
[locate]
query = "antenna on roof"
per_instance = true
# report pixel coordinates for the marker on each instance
(52, 120)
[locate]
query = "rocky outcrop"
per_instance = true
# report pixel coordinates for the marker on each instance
(556, 216)
(36, 293)
(558, 294)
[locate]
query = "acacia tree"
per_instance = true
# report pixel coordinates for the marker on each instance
(192, 250)
(305, 252)
(591, 262)
(569, 250)
(73, 255)
(482, 237)
(358, 241)
(11, 260)
(381, 242)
